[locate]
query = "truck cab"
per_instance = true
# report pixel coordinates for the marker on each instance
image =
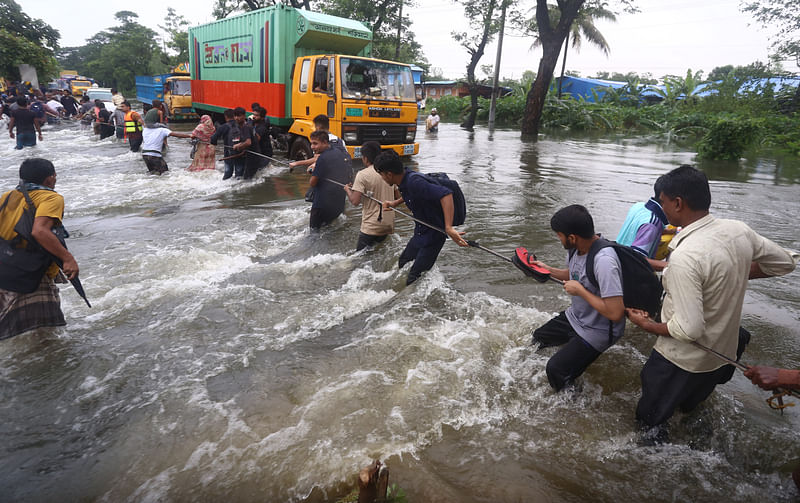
(178, 97)
(365, 99)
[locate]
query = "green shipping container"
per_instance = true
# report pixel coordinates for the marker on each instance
(257, 50)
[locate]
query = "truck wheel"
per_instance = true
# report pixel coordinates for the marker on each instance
(300, 149)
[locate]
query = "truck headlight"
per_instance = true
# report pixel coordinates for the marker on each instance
(350, 134)
(411, 133)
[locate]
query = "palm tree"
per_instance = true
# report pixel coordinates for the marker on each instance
(582, 28)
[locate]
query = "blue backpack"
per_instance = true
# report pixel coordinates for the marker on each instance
(37, 108)
(459, 203)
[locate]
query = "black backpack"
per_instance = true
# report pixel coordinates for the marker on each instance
(641, 287)
(459, 203)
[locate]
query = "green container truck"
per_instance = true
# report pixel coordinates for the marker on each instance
(298, 64)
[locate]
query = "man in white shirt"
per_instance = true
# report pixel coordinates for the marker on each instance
(152, 141)
(705, 280)
(432, 122)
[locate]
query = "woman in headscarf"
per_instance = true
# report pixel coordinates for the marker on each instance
(204, 155)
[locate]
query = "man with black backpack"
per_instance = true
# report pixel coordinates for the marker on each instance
(595, 319)
(430, 202)
(29, 298)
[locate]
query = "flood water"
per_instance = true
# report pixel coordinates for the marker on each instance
(231, 355)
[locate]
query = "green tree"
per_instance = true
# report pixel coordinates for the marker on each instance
(26, 40)
(484, 25)
(551, 36)
(177, 38)
(583, 27)
(781, 14)
(115, 56)
(382, 17)
(223, 8)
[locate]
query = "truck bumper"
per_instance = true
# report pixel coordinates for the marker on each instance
(404, 149)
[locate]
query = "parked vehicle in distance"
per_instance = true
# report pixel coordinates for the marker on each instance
(174, 89)
(298, 64)
(103, 94)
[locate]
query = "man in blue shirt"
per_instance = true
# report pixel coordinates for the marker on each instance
(332, 164)
(429, 202)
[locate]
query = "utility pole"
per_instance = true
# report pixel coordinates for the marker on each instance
(495, 84)
(399, 28)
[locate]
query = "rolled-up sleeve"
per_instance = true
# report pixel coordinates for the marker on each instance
(772, 258)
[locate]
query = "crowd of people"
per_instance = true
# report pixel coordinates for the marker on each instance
(704, 277)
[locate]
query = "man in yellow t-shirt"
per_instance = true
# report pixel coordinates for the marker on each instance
(376, 224)
(20, 312)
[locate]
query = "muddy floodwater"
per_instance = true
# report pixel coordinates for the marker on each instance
(232, 355)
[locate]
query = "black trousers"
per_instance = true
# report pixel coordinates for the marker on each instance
(572, 359)
(666, 387)
(365, 240)
(320, 217)
(424, 254)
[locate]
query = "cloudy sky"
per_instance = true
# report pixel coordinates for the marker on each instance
(664, 38)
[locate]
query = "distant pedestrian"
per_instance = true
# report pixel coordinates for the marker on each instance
(204, 153)
(153, 137)
(133, 127)
(26, 123)
(432, 122)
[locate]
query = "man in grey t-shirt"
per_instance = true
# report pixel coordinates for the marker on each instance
(595, 319)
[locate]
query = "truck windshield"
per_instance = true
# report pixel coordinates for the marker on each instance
(182, 87)
(364, 78)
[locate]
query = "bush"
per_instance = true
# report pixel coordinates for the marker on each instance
(728, 138)
(449, 107)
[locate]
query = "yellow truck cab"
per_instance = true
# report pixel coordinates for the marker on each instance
(79, 86)
(178, 97)
(298, 64)
(365, 99)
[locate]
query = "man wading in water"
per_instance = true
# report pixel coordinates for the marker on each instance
(20, 312)
(710, 263)
(583, 329)
(429, 202)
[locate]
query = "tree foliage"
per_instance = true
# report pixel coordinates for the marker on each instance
(224, 8)
(25, 40)
(177, 39)
(484, 23)
(551, 34)
(116, 55)
(781, 14)
(382, 17)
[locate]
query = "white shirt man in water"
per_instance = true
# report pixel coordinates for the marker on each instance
(704, 282)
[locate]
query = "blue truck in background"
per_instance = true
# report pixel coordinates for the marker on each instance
(174, 89)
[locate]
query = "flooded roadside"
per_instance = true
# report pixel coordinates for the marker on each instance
(230, 354)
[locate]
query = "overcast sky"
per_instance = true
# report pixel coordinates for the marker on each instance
(664, 38)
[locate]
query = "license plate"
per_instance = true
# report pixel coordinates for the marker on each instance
(357, 153)
(408, 149)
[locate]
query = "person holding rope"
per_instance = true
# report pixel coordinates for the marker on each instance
(22, 311)
(595, 319)
(153, 136)
(770, 378)
(375, 223)
(429, 202)
(705, 280)
(332, 166)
